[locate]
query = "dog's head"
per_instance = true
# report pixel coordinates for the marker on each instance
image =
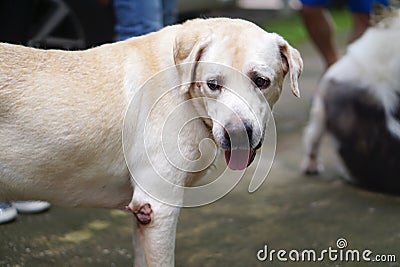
(237, 69)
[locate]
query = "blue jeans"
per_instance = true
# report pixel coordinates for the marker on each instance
(138, 17)
(357, 6)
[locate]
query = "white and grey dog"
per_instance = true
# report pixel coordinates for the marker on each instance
(358, 103)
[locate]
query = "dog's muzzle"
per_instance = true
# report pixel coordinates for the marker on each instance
(239, 153)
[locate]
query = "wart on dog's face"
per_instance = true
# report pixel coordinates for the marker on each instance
(239, 78)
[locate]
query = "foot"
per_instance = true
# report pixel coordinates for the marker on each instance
(31, 206)
(311, 166)
(7, 212)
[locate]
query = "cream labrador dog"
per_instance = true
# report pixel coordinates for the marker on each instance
(62, 114)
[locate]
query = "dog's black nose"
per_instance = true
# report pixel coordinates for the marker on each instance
(238, 135)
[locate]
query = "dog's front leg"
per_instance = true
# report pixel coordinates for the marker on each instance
(313, 136)
(154, 235)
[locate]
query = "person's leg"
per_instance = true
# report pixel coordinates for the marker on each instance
(137, 17)
(319, 25)
(361, 10)
(169, 12)
(360, 24)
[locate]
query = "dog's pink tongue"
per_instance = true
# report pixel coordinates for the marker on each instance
(237, 159)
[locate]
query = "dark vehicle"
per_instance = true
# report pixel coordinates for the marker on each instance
(65, 24)
(71, 24)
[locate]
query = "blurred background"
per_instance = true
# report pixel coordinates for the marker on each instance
(77, 24)
(290, 210)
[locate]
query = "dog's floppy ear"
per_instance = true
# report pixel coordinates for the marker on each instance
(188, 48)
(292, 62)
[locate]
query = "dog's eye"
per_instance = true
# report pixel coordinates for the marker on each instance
(261, 82)
(213, 85)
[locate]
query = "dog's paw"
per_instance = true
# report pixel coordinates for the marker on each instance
(311, 167)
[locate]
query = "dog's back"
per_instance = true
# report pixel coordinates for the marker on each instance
(52, 105)
(358, 103)
(369, 151)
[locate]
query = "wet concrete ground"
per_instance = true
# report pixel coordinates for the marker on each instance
(290, 211)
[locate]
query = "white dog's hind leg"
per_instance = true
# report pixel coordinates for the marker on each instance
(312, 137)
(154, 237)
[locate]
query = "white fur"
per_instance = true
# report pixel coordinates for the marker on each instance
(373, 63)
